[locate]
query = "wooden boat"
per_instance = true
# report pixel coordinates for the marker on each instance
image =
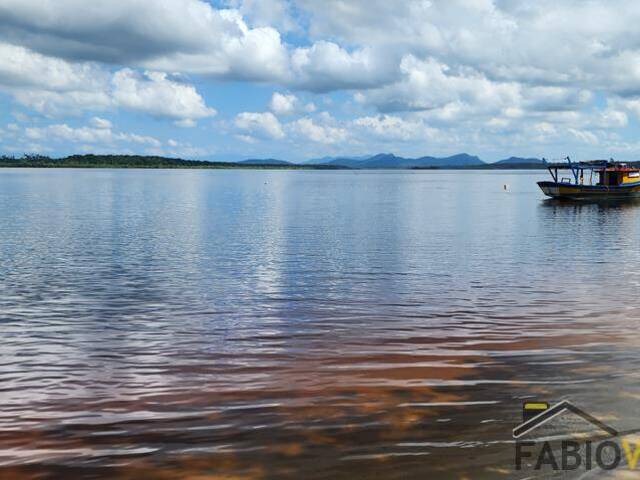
(592, 180)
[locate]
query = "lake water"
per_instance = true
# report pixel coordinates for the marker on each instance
(303, 324)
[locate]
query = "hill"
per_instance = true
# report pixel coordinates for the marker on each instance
(460, 160)
(328, 160)
(520, 161)
(389, 160)
(265, 161)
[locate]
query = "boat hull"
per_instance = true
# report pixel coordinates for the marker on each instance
(585, 192)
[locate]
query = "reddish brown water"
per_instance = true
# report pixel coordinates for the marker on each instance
(317, 325)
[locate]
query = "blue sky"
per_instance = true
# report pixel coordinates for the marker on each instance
(298, 79)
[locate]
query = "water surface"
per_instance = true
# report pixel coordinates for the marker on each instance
(302, 324)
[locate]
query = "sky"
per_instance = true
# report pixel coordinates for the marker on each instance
(302, 79)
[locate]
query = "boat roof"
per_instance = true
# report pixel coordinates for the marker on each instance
(608, 165)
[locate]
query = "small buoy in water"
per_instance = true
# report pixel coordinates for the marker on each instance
(505, 187)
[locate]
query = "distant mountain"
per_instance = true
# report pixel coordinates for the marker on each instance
(519, 161)
(317, 161)
(265, 161)
(386, 160)
(224, 157)
(389, 160)
(460, 160)
(329, 160)
(382, 160)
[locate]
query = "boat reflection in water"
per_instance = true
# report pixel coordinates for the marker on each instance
(604, 203)
(594, 179)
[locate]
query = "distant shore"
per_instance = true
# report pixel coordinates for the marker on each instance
(151, 162)
(155, 162)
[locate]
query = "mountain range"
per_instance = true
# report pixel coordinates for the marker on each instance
(265, 161)
(389, 160)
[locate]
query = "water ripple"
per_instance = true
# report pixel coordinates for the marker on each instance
(170, 324)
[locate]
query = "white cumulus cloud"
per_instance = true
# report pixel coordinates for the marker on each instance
(264, 124)
(283, 104)
(98, 122)
(317, 132)
(87, 135)
(51, 85)
(172, 35)
(156, 94)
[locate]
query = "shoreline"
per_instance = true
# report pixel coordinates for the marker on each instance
(274, 167)
(156, 162)
(235, 166)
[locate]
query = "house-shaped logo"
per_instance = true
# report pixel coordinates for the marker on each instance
(536, 414)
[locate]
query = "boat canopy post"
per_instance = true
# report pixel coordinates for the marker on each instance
(551, 170)
(574, 170)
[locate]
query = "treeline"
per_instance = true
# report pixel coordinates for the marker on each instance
(132, 161)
